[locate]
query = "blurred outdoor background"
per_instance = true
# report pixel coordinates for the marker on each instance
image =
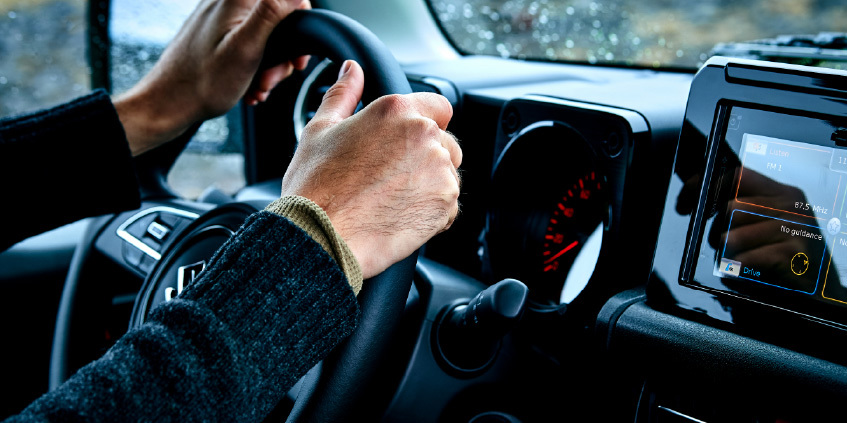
(42, 53)
(654, 33)
(43, 63)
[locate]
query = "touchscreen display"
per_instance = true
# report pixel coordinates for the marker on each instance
(781, 211)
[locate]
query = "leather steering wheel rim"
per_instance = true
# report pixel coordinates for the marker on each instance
(338, 393)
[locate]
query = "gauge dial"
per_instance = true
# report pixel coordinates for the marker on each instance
(576, 210)
(574, 217)
(548, 216)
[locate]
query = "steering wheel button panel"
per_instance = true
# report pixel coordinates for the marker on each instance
(132, 255)
(158, 231)
(137, 229)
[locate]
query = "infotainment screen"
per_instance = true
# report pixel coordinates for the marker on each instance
(773, 222)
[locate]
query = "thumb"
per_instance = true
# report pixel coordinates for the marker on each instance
(341, 100)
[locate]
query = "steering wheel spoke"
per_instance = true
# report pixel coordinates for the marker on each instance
(109, 265)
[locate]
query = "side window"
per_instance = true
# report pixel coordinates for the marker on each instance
(139, 32)
(42, 54)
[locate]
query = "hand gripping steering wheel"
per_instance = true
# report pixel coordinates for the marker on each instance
(336, 390)
(341, 391)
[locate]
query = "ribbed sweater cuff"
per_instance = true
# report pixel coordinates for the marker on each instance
(314, 221)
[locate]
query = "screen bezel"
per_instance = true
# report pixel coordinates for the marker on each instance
(713, 197)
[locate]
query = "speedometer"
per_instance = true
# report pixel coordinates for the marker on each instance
(548, 216)
(575, 217)
(562, 238)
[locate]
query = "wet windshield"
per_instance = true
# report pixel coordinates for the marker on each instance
(646, 33)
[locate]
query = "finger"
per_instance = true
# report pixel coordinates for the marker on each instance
(252, 98)
(341, 99)
(301, 62)
(433, 106)
(267, 79)
(261, 97)
(266, 15)
(451, 143)
(455, 209)
(458, 177)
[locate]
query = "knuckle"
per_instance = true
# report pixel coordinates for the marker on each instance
(314, 127)
(453, 195)
(425, 127)
(436, 106)
(442, 157)
(456, 149)
(270, 11)
(392, 104)
(449, 187)
(419, 131)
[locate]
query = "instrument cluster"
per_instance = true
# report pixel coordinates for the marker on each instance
(560, 183)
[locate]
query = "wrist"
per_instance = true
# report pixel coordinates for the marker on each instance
(149, 120)
(312, 219)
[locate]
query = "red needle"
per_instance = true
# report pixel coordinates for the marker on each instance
(564, 250)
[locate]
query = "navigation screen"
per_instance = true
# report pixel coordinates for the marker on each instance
(782, 214)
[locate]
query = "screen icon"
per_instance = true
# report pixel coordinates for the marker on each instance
(734, 121)
(799, 264)
(730, 267)
(755, 145)
(834, 226)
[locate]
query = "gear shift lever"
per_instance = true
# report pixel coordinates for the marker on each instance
(469, 335)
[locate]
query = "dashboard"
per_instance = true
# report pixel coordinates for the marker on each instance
(689, 229)
(681, 239)
(671, 246)
(568, 196)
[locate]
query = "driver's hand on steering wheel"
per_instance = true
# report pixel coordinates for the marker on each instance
(210, 64)
(387, 176)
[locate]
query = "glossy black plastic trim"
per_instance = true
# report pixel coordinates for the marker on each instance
(720, 85)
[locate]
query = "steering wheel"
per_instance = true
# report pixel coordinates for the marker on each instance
(338, 392)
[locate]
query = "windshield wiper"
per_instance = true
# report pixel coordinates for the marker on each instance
(798, 49)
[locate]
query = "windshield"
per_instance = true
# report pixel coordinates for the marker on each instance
(645, 33)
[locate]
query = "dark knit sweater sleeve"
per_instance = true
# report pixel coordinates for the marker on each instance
(62, 164)
(271, 305)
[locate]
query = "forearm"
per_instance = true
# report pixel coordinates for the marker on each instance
(151, 118)
(63, 164)
(271, 305)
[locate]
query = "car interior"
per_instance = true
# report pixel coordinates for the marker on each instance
(636, 242)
